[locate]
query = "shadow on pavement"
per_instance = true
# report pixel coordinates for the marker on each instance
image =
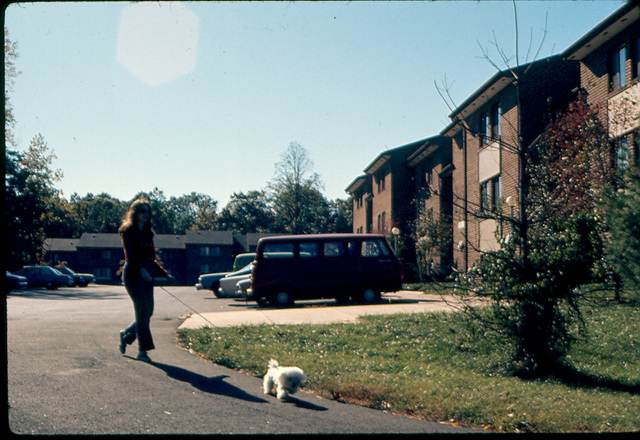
(214, 385)
(306, 405)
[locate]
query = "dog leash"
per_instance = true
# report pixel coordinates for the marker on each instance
(188, 306)
(199, 314)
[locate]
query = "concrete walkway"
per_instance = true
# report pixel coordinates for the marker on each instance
(398, 302)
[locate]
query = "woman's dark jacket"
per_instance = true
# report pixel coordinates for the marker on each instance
(139, 251)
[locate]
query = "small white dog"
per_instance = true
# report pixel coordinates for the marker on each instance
(286, 380)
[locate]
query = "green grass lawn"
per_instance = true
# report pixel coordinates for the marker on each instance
(438, 367)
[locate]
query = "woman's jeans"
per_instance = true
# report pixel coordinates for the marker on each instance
(141, 294)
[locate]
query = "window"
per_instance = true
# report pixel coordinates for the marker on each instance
(491, 124)
(491, 194)
(278, 250)
(636, 61)
(333, 249)
(382, 221)
(309, 250)
(210, 251)
(485, 128)
(370, 248)
(496, 123)
(496, 192)
(428, 168)
(380, 181)
(622, 153)
(617, 62)
(102, 272)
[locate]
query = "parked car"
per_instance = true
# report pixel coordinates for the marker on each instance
(14, 282)
(211, 281)
(243, 287)
(79, 279)
(228, 283)
(242, 260)
(45, 276)
(341, 266)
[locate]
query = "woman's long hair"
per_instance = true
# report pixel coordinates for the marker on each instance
(130, 217)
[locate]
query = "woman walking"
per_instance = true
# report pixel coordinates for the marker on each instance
(139, 268)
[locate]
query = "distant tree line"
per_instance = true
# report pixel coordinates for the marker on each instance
(36, 209)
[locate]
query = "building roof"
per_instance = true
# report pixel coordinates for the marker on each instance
(386, 156)
(357, 183)
(99, 240)
(604, 31)
(490, 89)
(427, 149)
(161, 241)
(61, 244)
(209, 237)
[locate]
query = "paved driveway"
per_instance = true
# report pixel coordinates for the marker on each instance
(66, 376)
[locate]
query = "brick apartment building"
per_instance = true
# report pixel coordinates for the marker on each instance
(383, 195)
(475, 167)
(488, 130)
(609, 57)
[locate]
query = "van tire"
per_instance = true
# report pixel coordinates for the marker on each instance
(263, 301)
(282, 298)
(369, 295)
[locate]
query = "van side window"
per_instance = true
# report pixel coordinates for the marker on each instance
(333, 249)
(370, 249)
(277, 250)
(309, 250)
(384, 247)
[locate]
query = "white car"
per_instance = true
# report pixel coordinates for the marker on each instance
(210, 281)
(244, 286)
(228, 283)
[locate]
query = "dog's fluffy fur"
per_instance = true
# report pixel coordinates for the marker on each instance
(285, 380)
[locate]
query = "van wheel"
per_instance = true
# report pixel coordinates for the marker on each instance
(282, 298)
(369, 295)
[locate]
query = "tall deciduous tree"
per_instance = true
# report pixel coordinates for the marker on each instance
(30, 195)
(194, 211)
(340, 216)
(161, 216)
(100, 213)
(295, 193)
(246, 213)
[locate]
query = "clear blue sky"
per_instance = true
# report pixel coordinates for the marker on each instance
(210, 103)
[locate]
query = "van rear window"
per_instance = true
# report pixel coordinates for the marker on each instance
(277, 250)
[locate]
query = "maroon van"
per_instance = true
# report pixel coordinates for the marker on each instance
(340, 266)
